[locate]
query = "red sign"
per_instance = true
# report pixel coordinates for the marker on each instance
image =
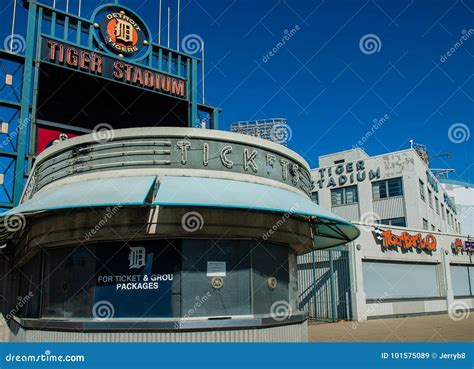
(49, 137)
(406, 241)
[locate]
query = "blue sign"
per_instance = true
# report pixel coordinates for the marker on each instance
(135, 281)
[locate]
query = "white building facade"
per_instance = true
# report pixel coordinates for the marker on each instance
(463, 194)
(411, 256)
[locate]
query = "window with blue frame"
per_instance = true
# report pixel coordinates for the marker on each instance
(344, 196)
(387, 188)
(397, 222)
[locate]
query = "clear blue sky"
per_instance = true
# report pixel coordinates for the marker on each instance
(320, 80)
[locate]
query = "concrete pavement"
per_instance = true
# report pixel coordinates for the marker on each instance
(431, 328)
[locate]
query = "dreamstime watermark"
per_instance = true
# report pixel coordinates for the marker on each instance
(109, 213)
(103, 310)
(287, 36)
(47, 357)
(280, 310)
(14, 222)
(10, 137)
(198, 303)
(458, 310)
(192, 43)
(377, 123)
(14, 43)
(279, 222)
(466, 35)
(459, 133)
(22, 301)
(370, 44)
(281, 133)
(372, 308)
(103, 132)
(192, 221)
(368, 219)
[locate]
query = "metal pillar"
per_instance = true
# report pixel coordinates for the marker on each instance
(333, 287)
(194, 110)
(25, 104)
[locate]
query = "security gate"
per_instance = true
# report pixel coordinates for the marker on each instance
(324, 285)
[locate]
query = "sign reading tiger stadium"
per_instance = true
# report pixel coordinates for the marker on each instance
(63, 54)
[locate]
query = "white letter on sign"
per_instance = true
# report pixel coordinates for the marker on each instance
(226, 150)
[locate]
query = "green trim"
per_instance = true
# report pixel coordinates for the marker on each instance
(25, 103)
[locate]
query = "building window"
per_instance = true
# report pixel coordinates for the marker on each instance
(387, 188)
(398, 280)
(397, 222)
(436, 205)
(422, 190)
(433, 227)
(430, 199)
(448, 216)
(344, 196)
(425, 224)
(315, 197)
(442, 211)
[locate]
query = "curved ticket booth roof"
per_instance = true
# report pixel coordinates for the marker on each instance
(166, 230)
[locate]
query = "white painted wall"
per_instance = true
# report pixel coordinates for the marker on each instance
(406, 164)
(370, 249)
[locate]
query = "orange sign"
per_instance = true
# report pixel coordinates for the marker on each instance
(122, 32)
(407, 241)
(457, 246)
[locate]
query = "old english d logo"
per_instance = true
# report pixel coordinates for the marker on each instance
(137, 257)
(121, 31)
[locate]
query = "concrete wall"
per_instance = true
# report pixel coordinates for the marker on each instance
(405, 164)
(367, 248)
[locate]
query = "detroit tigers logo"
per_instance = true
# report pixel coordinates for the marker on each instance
(137, 257)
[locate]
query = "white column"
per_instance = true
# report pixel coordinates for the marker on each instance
(446, 288)
(357, 283)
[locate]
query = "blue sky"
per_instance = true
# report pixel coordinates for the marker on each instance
(321, 80)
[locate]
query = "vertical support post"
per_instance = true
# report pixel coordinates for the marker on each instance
(34, 104)
(53, 24)
(215, 119)
(79, 32)
(203, 72)
(170, 62)
(160, 59)
(178, 63)
(446, 287)
(194, 114)
(314, 283)
(25, 104)
(66, 27)
(177, 28)
(159, 24)
(333, 287)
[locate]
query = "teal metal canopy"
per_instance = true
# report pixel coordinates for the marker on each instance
(330, 230)
(91, 193)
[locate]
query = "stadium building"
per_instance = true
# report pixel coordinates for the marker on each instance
(412, 256)
(123, 219)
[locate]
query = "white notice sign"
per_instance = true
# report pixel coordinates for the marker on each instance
(216, 268)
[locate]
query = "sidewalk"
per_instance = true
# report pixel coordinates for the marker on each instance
(431, 328)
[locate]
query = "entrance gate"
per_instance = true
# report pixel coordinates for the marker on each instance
(324, 285)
